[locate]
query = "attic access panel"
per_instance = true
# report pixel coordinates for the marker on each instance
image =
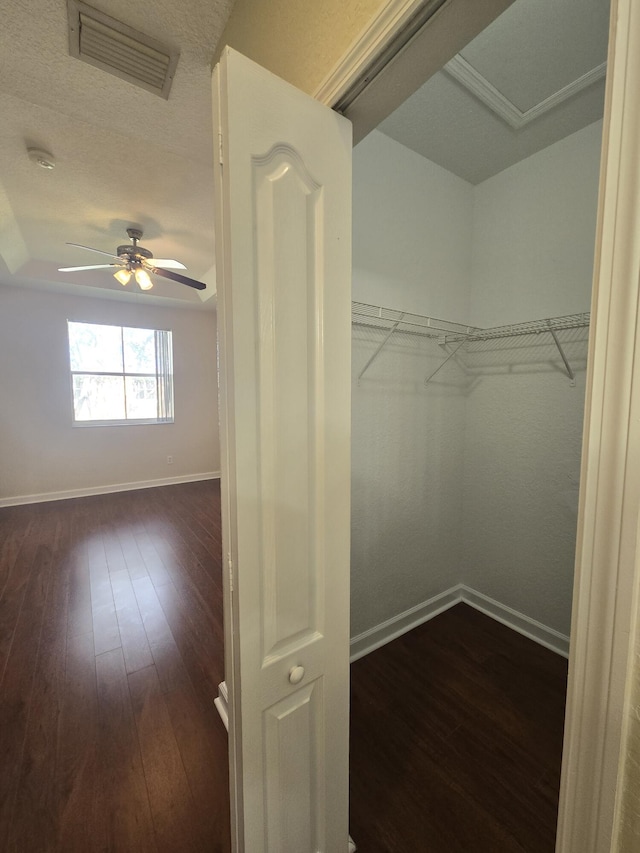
(114, 47)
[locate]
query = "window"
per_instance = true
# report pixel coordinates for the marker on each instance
(120, 375)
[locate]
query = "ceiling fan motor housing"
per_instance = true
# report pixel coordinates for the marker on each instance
(134, 252)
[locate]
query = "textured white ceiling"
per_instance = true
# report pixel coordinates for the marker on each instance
(534, 50)
(123, 155)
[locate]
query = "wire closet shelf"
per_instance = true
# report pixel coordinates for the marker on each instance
(363, 314)
(446, 332)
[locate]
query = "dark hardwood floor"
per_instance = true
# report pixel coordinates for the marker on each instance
(456, 740)
(111, 650)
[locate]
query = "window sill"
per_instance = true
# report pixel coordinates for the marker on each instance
(131, 422)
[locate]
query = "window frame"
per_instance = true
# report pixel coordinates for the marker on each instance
(124, 375)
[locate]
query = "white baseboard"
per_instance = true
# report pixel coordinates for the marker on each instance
(395, 627)
(106, 490)
(398, 625)
(547, 637)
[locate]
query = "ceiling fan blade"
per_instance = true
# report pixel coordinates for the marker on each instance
(174, 276)
(89, 249)
(167, 264)
(92, 267)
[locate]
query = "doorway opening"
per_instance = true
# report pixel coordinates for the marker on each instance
(474, 226)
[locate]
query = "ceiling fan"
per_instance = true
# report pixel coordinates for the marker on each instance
(134, 260)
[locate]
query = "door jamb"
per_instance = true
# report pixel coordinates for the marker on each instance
(606, 577)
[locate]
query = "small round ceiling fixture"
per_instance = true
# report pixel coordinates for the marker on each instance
(41, 158)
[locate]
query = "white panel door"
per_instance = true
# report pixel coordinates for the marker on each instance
(283, 234)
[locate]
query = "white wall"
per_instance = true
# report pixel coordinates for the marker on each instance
(533, 234)
(412, 230)
(41, 452)
(533, 243)
(407, 455)
(412, 251)
(475, 478)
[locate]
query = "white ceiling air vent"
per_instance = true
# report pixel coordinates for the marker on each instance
(113, 46)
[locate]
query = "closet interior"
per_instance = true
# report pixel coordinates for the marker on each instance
(466, 459)
(467, 429)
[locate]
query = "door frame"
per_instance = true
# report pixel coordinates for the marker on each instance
(604, 628)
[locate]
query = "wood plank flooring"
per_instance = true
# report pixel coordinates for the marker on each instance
(111, 651)
(456, 739)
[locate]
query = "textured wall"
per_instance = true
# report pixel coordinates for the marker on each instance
(523, 442)
(406, 475)
(534, 231)
(533, 243)
(411, 250)
(295, 39)
(412, 231)
(41, 452)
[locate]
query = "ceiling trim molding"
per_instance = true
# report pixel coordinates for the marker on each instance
(478, 85)
(390, 20)
(435, 34)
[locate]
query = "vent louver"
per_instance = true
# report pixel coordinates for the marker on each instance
(114, 47)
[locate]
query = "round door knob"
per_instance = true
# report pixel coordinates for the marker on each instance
(296, 674)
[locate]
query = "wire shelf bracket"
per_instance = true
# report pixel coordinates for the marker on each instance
(442, 364)
(380, 348)
(570, 372)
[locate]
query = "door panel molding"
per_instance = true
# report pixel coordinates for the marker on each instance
(288, 217)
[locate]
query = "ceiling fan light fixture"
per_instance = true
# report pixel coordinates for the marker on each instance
(123, 276)
(142, 277)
